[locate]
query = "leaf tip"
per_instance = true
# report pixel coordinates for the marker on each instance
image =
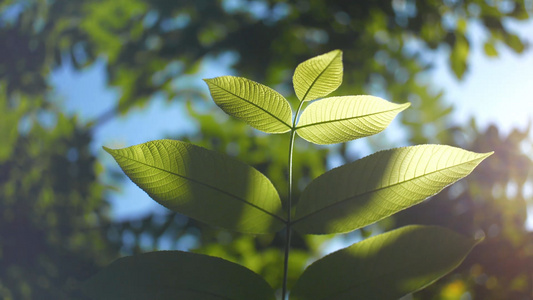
(483, 156)
(108, 150)
(337, 52)
(404, 106)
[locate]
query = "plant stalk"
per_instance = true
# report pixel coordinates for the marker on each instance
(289, 207)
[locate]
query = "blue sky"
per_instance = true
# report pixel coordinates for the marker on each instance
(498, 90)
(495, 90)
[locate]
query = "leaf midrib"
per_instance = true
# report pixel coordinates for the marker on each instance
(378, 189)
(346, 119)
(319, 75)
(251, 103)
(209, 186)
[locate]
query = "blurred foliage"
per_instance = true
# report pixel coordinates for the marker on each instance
(491, 202)
(51, 207)
(54, 230)
(149, 44)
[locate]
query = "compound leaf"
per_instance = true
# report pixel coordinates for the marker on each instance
(387, 266)
(176, 275)
(379, 185)
(342, 119)
(256, 104)
(203, 184)
(318, 76)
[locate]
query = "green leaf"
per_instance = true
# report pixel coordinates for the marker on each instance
(459, 55)
(256, 104)
(318, 76)
(379, 185)
(490, 50)
(342, 119)
(203, 184)
(176, 275)
(514, 42)
(387, 266)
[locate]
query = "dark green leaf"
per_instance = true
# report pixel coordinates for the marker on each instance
(514, 42)
(384, 267)
(176, 275)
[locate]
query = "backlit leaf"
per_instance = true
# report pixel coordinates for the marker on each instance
(318, 76)
(203, 184)
(342, 119)
(176, 275)
(384, 267)
(256, 104)
(379, 185)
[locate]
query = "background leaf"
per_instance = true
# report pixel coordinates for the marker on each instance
(489, 49)
(342, 119)
(256, 104)
(176, 275)
(459, 55)
(387, 266)
(379, 185)
(203, 184)
(318, 76)
(514, 42)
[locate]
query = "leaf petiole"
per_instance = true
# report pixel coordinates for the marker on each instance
(289, 205)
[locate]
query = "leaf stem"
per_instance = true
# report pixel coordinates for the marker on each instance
(289, 206)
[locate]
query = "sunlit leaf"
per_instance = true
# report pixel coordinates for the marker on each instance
(203, 184)
(318, 76)
(176, 275)
(341, 119)
(384, 267)
(258, 105)
(379, 185)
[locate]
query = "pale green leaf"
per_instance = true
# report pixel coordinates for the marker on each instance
(379, 185)
(342, 119)
(384, 267)
(176, 275)
(318, 76)
(203, 184)
(256, 104)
